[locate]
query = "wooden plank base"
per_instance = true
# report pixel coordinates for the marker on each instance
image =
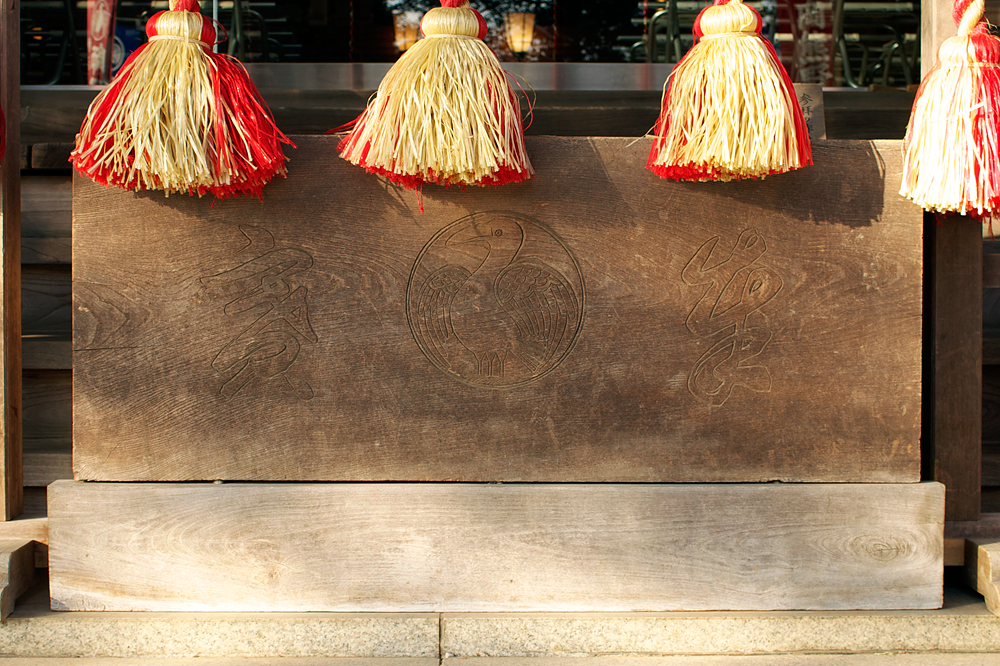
(17, 572)
(494, 547)
(982, 570)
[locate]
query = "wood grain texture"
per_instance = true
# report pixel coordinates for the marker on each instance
(991, 270)
(51, 156)
(45, 465)
(46, 206)
(17, 572)
(279, 341)
(987, 527)
(48, 426)
(43, 353)
(46, 301)
(46, 219)
(991, 463)
(953, 383)
(494, 547)
(10, 271)
(982, 570)
(990, 499)
(936, 25)
(954, 552)
(32, 525)
(991, 348)
(32, 529)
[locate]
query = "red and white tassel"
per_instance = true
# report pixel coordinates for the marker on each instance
(181, 118)
(445, 113)
(729, 110)
(952, 159)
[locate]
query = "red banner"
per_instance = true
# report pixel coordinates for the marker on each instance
(100, 33)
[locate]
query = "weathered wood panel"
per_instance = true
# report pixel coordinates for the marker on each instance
(988, 526)
(677, 332)
(46, 354)
(954, 552)
(46, 219)
(48, 427)
(17, 572)
(10, 264)
(53, 156)
(48, 395)
(982, 570)
(494, 547)
(46, 301)
(991, 463)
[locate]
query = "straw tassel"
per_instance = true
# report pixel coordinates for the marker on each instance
(952, 160)
(445, 113)
(180, 118)
(729, 109)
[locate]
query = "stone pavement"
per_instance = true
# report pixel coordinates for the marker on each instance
(963, 633)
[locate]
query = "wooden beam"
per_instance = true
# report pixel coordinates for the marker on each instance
(30, 529)
(952, 451)
(936, 25)
(982, 570)
(954, 552)
(494, 547)
(44, 353)
(991, 271)
(987, 527)
(46, 218)
(11, 482)
(17, 572)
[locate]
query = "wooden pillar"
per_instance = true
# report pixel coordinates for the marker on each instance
(10, 272)
(953, 361)
(936, 25)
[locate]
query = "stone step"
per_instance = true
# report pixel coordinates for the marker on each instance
(879, 659)
(963, 630)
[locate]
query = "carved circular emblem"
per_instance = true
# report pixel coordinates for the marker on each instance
(495, 299)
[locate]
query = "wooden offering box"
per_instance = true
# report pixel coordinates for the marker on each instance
(595, 324)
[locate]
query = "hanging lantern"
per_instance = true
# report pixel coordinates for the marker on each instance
(406, 28)
(520, 29)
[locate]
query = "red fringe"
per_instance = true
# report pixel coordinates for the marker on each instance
(247, 140)
(986, 130)
(502, 176)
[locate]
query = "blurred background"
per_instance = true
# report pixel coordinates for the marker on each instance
(838, 43)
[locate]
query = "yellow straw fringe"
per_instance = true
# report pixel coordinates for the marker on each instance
(942, 152)
(720, 116)
(164, 116)
(441, 114)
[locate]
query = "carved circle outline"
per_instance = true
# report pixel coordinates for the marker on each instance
(521, 219)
